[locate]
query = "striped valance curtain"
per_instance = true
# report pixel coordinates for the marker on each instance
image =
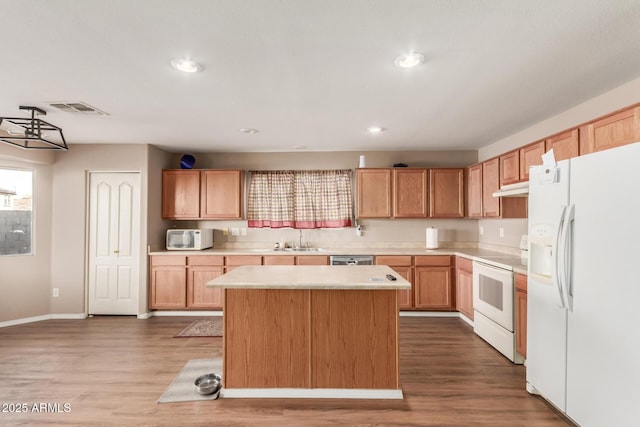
(300, 199)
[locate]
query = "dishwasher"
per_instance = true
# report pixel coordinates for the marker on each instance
(351, 260)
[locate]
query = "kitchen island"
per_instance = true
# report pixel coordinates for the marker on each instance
(311, 332)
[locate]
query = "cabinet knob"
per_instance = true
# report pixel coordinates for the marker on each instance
(116, 251)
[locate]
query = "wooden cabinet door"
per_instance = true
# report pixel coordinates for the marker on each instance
(198, 295)
(168, 287)
(490, 184)
(446, 193)
(373, 193)
(464, 293)
(410, 193)
(464, 286)
(405, 296)
(433, 290)
(521, 314)
(180, 194)
(565, 145)
(530, 155)
(401, 264)
(474, 191)
(510, 168)
(221, 194)
(613, 131)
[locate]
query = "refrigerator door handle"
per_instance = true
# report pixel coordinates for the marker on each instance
(556, 257)
(567, 255)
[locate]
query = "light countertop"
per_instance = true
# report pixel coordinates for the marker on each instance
(495, 258)
(342, 277)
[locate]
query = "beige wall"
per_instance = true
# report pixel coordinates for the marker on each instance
(330, 160)
(70, 180)
(618, 98)
(25, 279)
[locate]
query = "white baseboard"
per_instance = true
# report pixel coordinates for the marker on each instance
(429, 314)
(77, 316)
(311, 393)
(181, 313)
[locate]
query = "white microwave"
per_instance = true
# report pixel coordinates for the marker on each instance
(193, 239)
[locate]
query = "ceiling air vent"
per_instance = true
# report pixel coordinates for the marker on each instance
(77, 108)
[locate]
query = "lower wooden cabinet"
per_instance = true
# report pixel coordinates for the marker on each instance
(521, 314)
(179, 282)
(464, 286)
(168, 282)
(433, 286)
(403, 265)
(198, 295)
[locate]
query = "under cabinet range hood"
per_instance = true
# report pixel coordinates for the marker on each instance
(519, 189)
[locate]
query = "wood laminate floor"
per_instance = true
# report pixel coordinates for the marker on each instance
(112, 370)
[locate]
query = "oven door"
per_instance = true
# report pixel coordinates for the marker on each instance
(493, 293)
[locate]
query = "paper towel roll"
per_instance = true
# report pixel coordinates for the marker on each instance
(432, 238)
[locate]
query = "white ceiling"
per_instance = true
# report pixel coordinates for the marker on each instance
(313, 73)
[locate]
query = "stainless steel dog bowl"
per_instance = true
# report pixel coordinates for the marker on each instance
(208, 384)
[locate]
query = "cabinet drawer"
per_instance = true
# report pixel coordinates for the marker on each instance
(279, 259)
(395, 260)
(243, 260)
(206, 260)
(312, 260)
(168, 260)
(432, 260)
(521, 282)
(464, 264)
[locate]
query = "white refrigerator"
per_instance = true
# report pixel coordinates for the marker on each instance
(583, 310)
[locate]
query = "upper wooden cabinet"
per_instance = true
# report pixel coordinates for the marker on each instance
(221, 194)
(373, 198)
(490, 184)
(530, 155)
(410, 193)
(446, 193)
(565, 145)
(612, 131)
(201, 194)
(181, 194)
(474, 191)
(509, 168)
(499, 207)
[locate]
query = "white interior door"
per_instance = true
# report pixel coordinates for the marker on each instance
(114, 241)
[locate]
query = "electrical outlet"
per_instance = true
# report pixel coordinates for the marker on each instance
(235, 231)
(501, 232)
(56, 292)
(481, 230)
(243, 231)
(225, 231)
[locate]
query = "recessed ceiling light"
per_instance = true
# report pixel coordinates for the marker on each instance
(249, 130)
(410, 60)
(185, 65)
(375, 129)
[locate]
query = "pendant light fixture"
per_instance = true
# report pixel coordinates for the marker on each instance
(31, 133)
